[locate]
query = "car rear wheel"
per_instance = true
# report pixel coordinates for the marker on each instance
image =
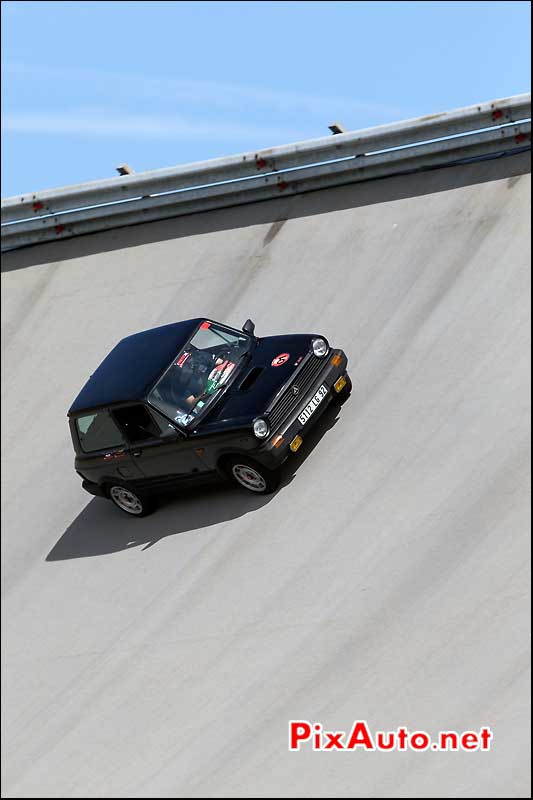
(252, 476)
(133, 504)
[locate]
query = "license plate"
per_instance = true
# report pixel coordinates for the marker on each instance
(312, 404)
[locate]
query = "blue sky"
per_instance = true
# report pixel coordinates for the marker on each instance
(89, 85)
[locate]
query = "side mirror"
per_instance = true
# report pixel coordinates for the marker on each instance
(249, 327)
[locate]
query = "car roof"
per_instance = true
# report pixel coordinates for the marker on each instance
(133, 366)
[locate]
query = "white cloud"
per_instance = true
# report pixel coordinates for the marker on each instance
(125, 125)
(211, 94)
(180, 109)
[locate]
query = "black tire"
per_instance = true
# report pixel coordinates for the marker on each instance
(343, 396)
(248, 474)
(129, 501)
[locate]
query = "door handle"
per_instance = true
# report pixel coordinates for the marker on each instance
(136, 453)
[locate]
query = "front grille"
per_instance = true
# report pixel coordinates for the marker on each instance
(286, 401)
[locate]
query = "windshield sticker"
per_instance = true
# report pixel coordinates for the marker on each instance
(281, 359)
(182, 359)
(198, 407)
(205, 325)
(182, 418)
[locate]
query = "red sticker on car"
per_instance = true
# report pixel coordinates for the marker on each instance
(205, 325)
(113, 456)
(281, 359)
(182, 359)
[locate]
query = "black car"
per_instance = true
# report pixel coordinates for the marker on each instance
(197, 400)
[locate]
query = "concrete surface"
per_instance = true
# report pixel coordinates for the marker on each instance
(387, 580)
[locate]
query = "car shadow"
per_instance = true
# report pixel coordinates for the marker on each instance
(327, 421)
(102, 529)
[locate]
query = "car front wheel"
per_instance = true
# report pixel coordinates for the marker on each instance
(253, 476)
(130, 502)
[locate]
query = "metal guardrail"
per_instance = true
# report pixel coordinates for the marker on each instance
(474, 132)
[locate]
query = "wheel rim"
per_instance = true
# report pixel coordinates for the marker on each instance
(126, 500)
(249, 477)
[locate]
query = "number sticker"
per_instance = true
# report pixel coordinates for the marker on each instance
(281, 359)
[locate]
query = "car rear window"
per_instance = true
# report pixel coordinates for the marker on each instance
(98, 432)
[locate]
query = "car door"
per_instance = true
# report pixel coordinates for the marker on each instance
(160, 452)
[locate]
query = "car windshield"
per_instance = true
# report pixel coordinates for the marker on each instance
(205, 366)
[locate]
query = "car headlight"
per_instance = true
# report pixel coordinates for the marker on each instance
(320, 347)
(261, 428)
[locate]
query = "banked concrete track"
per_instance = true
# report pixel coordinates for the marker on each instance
(387, 580)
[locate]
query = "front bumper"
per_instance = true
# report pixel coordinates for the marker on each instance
(273, 453)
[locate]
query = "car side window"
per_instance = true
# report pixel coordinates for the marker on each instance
(138, 424)
(98, 432)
